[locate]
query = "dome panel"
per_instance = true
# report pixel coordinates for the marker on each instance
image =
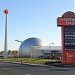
(26, 45)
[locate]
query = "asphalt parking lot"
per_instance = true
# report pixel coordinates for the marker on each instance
(32, 69)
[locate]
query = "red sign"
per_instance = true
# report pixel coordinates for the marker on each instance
(66, 21)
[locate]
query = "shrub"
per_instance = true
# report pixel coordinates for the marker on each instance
(53, 61)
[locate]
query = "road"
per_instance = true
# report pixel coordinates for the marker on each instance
(26, 69)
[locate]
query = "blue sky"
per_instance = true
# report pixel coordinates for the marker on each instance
(32, 18)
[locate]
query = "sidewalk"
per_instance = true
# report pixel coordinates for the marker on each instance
(53, 64)
(30, 64)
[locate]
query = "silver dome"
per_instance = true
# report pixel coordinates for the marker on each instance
(28, 43)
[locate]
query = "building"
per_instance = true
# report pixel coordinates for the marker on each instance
(37, 48)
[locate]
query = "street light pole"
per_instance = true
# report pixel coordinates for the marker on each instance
(31, 49)
(21, 49)
(50, 49)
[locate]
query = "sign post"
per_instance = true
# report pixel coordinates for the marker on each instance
(67, 23)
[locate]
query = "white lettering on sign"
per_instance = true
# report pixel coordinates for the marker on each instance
(69, 57)
(67, 19)
(70, 23)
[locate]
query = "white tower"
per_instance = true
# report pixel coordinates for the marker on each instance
(5, 48)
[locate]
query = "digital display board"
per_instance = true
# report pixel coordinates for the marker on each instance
(65, 21)
(69, 37)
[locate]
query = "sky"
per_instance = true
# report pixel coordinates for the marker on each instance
(32, 18)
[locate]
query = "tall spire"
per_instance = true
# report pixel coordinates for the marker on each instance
(5, 48)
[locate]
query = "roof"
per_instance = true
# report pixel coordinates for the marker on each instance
(47, 47)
